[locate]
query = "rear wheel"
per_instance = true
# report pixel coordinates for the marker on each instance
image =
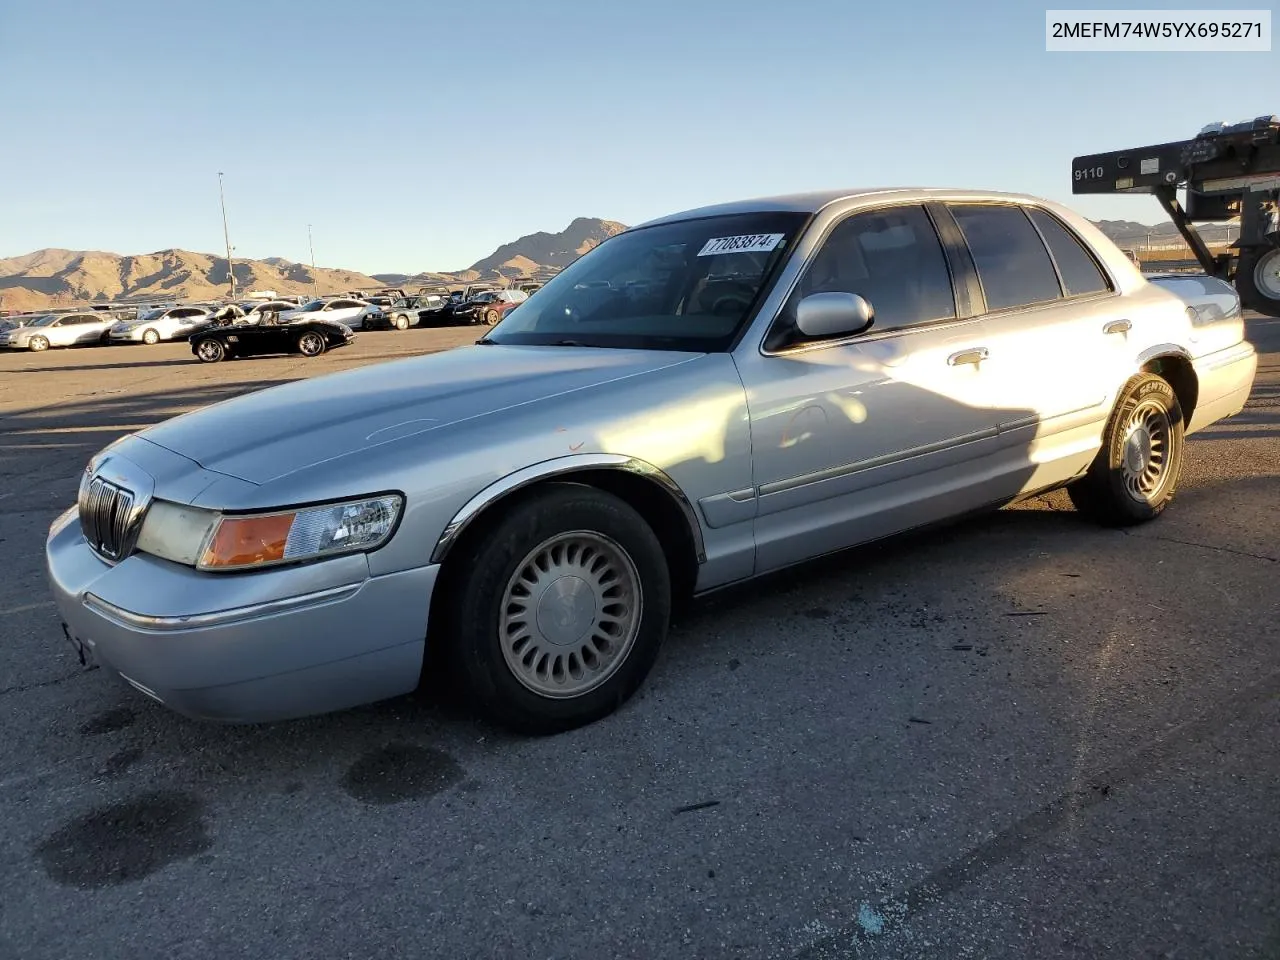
(37, 344)
(1135, 474)
(311, 344)
(1258, 280)
(562, 610)
(150, 337)
(210, 351)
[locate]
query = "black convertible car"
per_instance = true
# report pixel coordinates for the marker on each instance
(230, 340)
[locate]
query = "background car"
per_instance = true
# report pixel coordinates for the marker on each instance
(501, 304)
(310, 338)
(407, 312)
(59, 330)
(172, 323)
(338, 309)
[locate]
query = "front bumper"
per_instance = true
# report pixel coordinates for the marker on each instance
(244, 648)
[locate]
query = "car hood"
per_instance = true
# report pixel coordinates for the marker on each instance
(275, 432)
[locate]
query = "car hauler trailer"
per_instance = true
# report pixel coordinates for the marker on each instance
(1228, 171)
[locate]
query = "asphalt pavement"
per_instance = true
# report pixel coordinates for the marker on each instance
(1020, 736)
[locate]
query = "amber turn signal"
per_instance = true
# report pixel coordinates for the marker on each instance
(246, 541)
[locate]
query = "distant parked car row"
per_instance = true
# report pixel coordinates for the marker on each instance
(478, 303)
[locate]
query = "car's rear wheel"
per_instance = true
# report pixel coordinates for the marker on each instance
(37, 344)
(311, 344)
(1135, 474)
(210, 351)
(401, 322)
(562, 611)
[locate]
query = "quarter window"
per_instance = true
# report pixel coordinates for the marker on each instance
(1012, 262)
(1079, 272)
(892, 258)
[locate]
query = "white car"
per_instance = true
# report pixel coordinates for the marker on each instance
(174, 323)
(59, 330)
(338, 310)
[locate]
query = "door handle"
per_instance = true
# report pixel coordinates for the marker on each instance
(1117, 326)
(974, 355)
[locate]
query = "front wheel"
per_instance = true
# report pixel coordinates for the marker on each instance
(401, 322)
(562, 610)
(210, 351)
(491, 317)
(311, 344)
(37, 344)
(150, 337)
(1135, 474)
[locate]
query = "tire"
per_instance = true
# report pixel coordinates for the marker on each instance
(209, 350)
(1135, 474)
(1258, 280)
(37, 344)
(150, 337)
(491, 317)
(401, 322)
(311, 344)
(587, 535)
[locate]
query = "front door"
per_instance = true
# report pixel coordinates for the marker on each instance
(859, 437)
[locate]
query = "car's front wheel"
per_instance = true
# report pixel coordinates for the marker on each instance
(1135, 474)
(562, 611)
(311, 344)
(401, 322)
(210, 351)
(150, 337)
(491, 317)
(37, 344)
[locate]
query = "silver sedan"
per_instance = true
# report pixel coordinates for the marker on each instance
(697, 401)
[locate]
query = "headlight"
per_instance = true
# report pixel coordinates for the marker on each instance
(212, 541)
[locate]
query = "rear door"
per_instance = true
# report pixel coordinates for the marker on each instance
(1055, 333)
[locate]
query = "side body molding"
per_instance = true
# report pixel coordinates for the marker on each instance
(561, 467)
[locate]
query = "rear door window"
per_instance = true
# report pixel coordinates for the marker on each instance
(1012, 263)
(1079, 271)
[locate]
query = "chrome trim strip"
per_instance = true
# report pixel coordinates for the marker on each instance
(844, 470)
(1219, 359)
(560, 467)
(1035, 420)
(216, 618)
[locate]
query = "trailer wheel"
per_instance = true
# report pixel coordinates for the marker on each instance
(1258, 280)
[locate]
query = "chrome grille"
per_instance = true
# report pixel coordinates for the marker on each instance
(107, 518)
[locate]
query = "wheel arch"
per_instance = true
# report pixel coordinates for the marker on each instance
(646, 488)
(1174, 365)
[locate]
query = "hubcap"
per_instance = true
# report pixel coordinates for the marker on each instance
(209, 350)
(1145, 456)
(1266, 275)
(310, 344)
(570, 614)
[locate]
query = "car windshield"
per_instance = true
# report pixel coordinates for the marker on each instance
(44, 321)
(313, 305)
(686, 285)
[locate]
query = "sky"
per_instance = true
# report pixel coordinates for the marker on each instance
(421, 135)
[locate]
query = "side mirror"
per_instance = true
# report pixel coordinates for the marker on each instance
(833, 314)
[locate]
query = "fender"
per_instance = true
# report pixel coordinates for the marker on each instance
(564, 467)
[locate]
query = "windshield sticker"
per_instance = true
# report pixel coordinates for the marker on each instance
(747, 243)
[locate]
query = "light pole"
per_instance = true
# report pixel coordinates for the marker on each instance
(231, 267)
(315, 281)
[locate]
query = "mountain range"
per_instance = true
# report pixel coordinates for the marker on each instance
(55, 277)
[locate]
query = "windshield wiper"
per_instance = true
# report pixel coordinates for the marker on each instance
(568, 343)
(486, 341)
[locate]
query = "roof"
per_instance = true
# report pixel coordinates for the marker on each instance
(816, 200)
